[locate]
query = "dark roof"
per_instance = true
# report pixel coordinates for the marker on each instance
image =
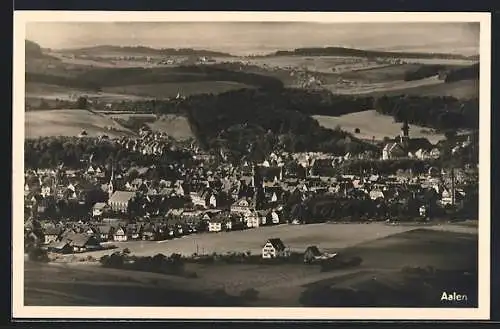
(277, 243)
(314, 250)
(53, 230)
(105, 229)
(78, 240)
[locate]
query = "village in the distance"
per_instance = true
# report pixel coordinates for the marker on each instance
(261, 206)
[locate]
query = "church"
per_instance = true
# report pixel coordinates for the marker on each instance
(403, 145)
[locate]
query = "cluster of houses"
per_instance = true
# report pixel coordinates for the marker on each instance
(134, 204)
(420, 148)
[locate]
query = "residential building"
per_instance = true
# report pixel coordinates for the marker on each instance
(274, 248)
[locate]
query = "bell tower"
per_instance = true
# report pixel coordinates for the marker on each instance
(405, 135)
(110, 185)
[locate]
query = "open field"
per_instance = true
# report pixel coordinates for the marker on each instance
(36, 90)
(330, 237)
(364, 88)
(383, 254)
(71, 123)
(465, 89)
(373, 124)
(338, 64)
(175, 126)
(170, 89)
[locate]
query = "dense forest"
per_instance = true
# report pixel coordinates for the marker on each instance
(259, 120)
(342, 51)
(100, 77)
(465, 73)
(448, 74)
(435, 112)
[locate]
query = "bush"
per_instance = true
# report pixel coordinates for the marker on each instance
(250, 294)
(38, 255)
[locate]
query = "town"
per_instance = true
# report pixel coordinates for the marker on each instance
(73, 210)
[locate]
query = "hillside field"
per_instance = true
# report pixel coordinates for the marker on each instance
(384, 250)
(175, 126)
(171, 89)
(373, 124)
(71, 123)
(330, 237)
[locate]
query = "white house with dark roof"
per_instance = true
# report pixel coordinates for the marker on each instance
(274, 248)
(98, 209)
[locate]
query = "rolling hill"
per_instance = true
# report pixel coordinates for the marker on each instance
(71, 123)
(141, 50)
(352, 52)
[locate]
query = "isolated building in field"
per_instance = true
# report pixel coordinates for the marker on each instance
(274, 248)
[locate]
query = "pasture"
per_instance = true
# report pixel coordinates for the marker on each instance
(373, 124)
(71, 123)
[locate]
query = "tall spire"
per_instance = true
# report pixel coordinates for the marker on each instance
(111, 179)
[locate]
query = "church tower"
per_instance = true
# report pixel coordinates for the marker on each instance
(110, 185)
(405, 135)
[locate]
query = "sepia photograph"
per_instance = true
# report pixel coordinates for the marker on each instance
(320, 164)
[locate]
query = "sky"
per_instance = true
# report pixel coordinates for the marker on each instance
(244, 38)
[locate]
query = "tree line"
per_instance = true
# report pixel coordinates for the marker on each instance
(435, 112)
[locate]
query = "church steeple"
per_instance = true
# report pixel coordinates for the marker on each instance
(111, 179)
(405, 134)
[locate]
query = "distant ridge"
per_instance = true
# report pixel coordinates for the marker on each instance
(342, 51)
(144, 50)
(34, 51)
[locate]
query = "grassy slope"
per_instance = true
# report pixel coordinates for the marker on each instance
(175, 126)
(161, 90)
(278, 285)
(372, 124)
(70, 123)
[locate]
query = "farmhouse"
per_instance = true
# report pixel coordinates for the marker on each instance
(215, 224)
(120, 234)
(83, 242)
(240, 206)
(120, 200)
(252, 220)
(52, 234)
(274, 248)
(105, 232)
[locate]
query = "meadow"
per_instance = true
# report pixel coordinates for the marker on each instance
(372, 124)
(71, 123)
